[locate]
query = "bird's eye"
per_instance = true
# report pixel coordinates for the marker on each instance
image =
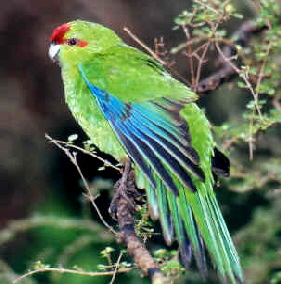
(72, 41)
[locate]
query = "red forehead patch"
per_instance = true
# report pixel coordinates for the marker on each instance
(58, 34)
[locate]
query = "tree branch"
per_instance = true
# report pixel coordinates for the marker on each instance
(226, 67)
(123, 206)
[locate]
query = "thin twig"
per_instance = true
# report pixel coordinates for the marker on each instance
(69, 145)
(200, 63)
(148, 49)
(245, 78)
(216, 11)
(260, 75)
(73, 271)
(189, 45)
(116, 268)
(251, 140)
(73, 159)
(156, 57)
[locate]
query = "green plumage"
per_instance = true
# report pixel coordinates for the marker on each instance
(129, 105)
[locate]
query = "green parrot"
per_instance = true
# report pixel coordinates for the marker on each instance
(130, 106)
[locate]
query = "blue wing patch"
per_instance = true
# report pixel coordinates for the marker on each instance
(154, 135)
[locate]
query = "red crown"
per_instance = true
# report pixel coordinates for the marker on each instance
(58, 34)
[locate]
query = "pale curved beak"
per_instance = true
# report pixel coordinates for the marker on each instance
(54, 52)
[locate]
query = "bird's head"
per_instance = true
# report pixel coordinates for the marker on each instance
(78, 40)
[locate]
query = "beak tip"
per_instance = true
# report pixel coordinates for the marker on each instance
(54, 52)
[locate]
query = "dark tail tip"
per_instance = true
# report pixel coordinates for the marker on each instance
(185, 250)
(220, 163)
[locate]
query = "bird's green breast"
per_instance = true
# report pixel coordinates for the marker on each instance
(86, 111)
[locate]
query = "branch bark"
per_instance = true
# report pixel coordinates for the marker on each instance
(123, 207)
(226, 69)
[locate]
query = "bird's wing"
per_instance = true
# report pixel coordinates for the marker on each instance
(154, 134)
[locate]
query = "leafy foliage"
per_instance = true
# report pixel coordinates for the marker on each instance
(256, 124)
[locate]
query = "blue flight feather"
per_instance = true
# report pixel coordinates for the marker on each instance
(149, 142)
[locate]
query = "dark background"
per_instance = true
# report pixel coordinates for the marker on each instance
(34, 175)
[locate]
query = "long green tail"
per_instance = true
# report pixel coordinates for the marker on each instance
(194, 217)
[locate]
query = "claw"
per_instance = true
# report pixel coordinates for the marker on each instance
(112, 210)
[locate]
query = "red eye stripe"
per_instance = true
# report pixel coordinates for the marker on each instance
(58, 34)
(75, 42)
(82, 43)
